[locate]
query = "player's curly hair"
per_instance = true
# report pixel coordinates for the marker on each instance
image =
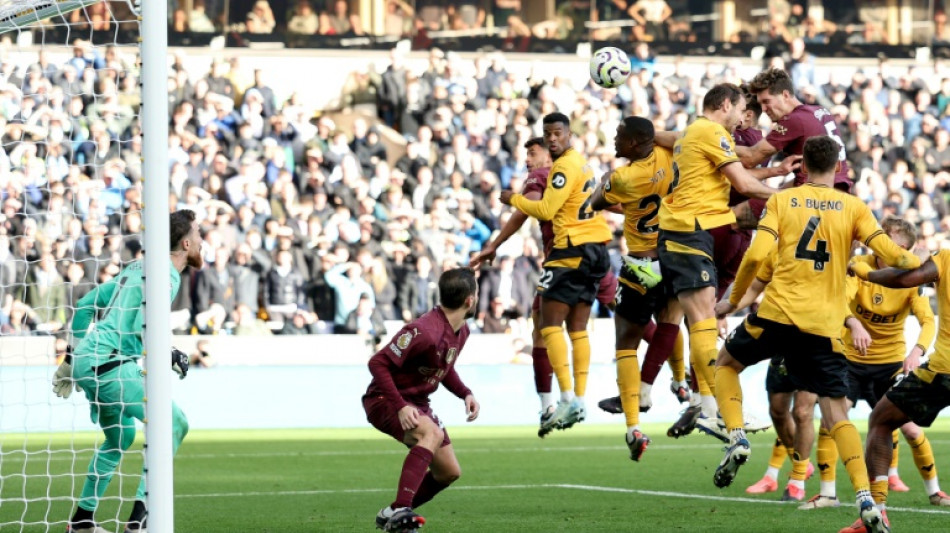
(773, 80)
(179, 226)
(894, 225)
(751, 101)
(719, 94)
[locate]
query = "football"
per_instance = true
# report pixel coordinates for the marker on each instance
(609, 67)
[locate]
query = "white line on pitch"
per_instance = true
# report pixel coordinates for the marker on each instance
(591, 488)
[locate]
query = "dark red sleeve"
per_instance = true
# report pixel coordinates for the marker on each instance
(381, 368)
(405, 344)
(784, 132)
(536, 181)
(453, 383)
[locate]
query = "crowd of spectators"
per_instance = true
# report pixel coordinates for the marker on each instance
(829, 22)
(314, 227)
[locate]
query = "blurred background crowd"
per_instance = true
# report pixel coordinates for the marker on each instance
(315, 222)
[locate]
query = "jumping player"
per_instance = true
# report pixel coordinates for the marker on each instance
(574, 268)
(539, 162)
(405, 373)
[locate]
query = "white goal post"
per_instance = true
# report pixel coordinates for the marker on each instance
(151, 16)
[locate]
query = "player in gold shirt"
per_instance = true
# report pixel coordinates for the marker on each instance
(921, 395)
(704, 166)
(883, 311)
(573, 270)
(638, 187)
(814, 226)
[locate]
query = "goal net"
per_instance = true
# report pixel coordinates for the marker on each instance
(70, 217)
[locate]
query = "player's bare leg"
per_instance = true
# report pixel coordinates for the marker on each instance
(780, 404)
(804, 438)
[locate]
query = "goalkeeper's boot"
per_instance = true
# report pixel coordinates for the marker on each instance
(574, 413)
(637, 445)
(680, 389)
(86, 527)
(896, 484)
(686, 423)
(737, 453)
(819, 502)
(611, 405)
(137, 518)
(940, 499)
(404, 520)
(547, 418)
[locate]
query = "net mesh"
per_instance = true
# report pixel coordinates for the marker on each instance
(70, 202)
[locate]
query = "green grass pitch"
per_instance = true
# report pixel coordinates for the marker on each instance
(336, 480)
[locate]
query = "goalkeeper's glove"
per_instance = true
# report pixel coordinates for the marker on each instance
(179, 363)
(63, 382)
(645, 271)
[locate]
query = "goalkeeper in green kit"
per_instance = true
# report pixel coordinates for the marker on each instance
(104, 366)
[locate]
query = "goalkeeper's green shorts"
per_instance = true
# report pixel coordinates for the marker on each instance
(116, 387)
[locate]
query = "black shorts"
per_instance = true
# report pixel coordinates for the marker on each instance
(777, 380)
(921, 395)
(573, 274)
(635, 303)
(815, 364)
(870, 382)
(686, 260)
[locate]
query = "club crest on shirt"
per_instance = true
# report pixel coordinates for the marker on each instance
(451, 355)
(878, 299)
(403, 341)
(780, 129)
(558, 181)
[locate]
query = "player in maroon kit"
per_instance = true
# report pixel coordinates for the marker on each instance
(539, 162)
(405, 373)
(792, 124)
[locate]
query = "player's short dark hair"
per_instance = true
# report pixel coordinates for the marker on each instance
(534, 141)
(455, 286)
(179, 226)
(820, 154)
(891, 224)
(719, 94)
(751, 101)
(639, 129)
(557, 118)
(773, 80)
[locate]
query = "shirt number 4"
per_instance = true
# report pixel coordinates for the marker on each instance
(819, 256)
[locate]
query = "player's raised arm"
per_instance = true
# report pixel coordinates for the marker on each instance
(667, 139)
(514, 223)
(753, 156)
(748, 182)
(868, 231)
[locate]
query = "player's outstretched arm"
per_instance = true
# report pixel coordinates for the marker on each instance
(515, 221)
(753, 156)
(787, 166)
(558, 190)
(900, 279)
(746, 183)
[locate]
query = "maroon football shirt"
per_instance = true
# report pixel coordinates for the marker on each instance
(538, 181)
(420, 357)
(790, 133)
